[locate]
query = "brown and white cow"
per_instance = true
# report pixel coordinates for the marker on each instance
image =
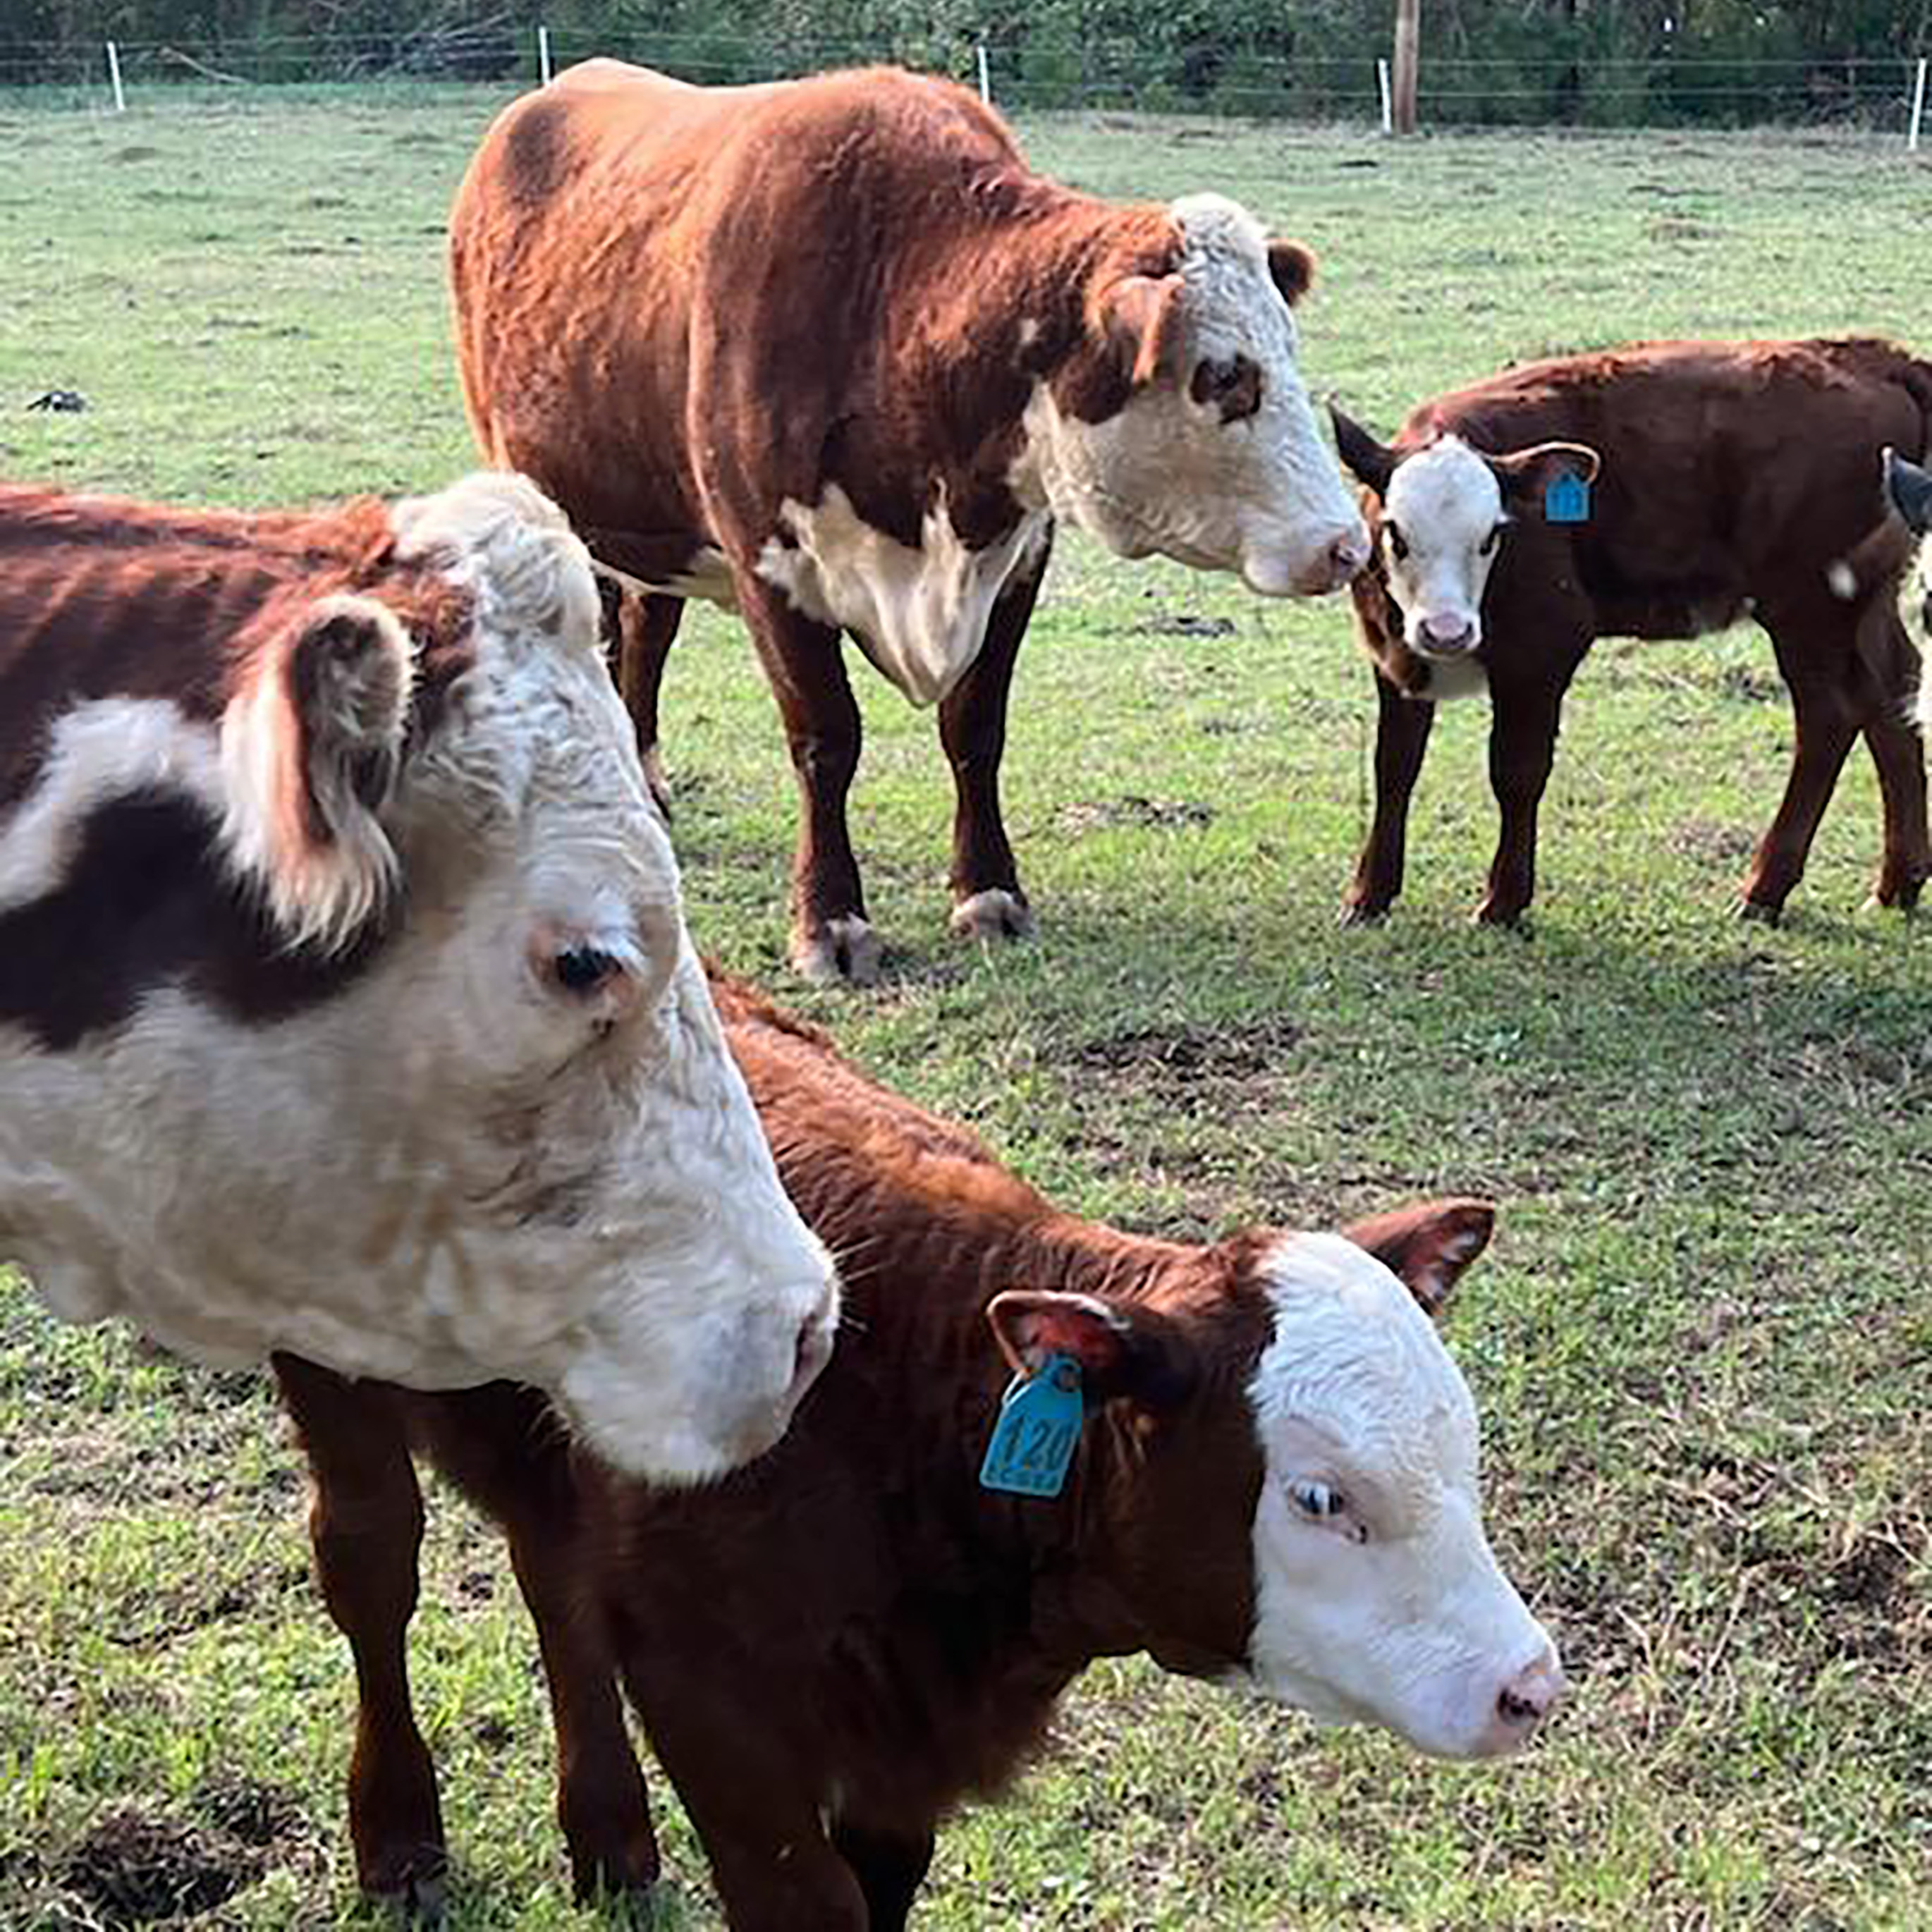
(1275, 1486)
(828, 352)
(1724, 479)
(346, 1003)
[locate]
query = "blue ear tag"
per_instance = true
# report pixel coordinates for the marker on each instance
(1566, 499)
(1037, 1433)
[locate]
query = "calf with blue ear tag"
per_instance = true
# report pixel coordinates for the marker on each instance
(1664, 491)
(1253, 1459)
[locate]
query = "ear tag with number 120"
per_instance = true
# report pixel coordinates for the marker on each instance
(1566, 499)
(1037, 1433)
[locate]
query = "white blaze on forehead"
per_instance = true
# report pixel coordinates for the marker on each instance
(1393, 1611)
(1261, 494)
(1446, 502)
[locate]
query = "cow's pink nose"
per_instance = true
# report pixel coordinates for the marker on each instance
(1348, 553)
(1340, 561)
(1530, 1696)
(1448, 634)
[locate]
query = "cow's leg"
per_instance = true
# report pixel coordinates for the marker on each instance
(759, 1820)
(987, 901)
(503, 1448)
(365, 1523)
(1401, 737)
(831, 937)
(647, 629)
(1898, 753)
(1525, 715)
(1827, 718)
(891, 1866)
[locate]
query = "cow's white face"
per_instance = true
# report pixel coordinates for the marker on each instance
(513, 1143)
(1376, 1596)
(1443, 523)
(1217, 461)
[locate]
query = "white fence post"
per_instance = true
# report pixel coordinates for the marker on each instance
(543, 56)
(121, 99)
(986, 79)
(1917, 107)
(1388, 110)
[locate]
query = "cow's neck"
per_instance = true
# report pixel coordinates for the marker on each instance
(933, 502)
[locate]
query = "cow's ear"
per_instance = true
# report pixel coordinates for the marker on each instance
(311, 743)
(1293, 267)
(1142, 315)
(1368, 461)
(1524, 474)
(1123, 1349)
(1910, 489)
(1428, 1244)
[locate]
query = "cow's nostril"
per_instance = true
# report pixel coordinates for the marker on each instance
(1348, 554)
(1514, 1708)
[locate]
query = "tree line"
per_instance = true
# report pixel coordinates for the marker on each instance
(1533, 62)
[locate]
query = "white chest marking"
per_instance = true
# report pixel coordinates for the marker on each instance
(919, 615)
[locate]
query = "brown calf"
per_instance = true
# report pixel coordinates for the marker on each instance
(1723, 480)
(834, 1647)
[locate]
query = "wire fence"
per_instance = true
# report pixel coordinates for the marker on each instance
(1220, 78)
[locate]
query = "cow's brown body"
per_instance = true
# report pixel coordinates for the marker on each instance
(698, 316)
(1735, 480)
(842, 1643)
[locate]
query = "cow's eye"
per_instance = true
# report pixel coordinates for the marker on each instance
(1398, 543)
(584, 969)
(1234, 387)
(1487, 547)
(1318, 1500)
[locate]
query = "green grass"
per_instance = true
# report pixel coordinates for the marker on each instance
(1702, 1345)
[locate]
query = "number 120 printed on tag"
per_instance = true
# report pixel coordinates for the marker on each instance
(1037, 1433)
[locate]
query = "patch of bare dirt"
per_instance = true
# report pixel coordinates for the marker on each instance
(1159, 814)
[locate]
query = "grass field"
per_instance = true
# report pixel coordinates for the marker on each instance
(1702, 1345)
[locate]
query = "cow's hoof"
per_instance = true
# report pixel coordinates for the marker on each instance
(995, 913)
(654, 777)
(1760, 912)
(842, 952)
(417, 1899)
(1499, 919)
(1366, 914)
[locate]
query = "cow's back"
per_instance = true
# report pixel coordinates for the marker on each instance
(639, 265)
(1729, 470)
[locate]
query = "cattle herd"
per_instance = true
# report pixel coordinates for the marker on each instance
(349, 1019)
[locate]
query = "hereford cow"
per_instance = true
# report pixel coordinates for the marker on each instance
(346, 1003)
(1276, 1486)
(1710, 481)
(827, 352)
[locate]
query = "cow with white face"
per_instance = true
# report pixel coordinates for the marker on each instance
(827, 352)
(1377, 1598)
(346, 1007)
(1664, 490)
(1270, 1480)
